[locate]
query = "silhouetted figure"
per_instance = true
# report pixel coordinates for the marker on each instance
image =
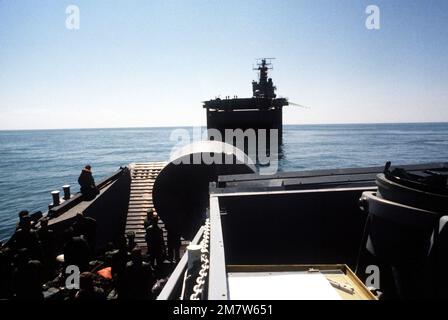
(174, 243)
(139, 278)
(28, 278)
(24, 219)
(25, 237)
(120, 258)
(131, 244)
(149, 216)
(77, 252)
(87, 288)
(155, 242)
(85, 226)
(47, 243)
(89, 189)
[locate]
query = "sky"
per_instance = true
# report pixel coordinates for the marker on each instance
(151, 63)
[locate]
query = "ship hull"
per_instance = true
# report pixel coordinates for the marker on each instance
(256, 119)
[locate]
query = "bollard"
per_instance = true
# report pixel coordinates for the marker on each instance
(56, 200)
(194, 265)
(194, 256)
(66, 189)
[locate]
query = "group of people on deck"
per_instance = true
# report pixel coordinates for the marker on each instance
(154, 235)
(34, 262)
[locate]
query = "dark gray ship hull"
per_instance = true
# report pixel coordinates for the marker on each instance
(244, 119)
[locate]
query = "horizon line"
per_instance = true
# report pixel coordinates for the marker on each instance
(202, 125)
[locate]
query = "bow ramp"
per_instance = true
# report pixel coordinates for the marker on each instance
(143, 176)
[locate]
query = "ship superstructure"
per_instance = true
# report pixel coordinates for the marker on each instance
(262, 111)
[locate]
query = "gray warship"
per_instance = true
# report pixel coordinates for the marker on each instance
(264, 110)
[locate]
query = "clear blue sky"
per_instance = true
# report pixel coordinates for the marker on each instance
(151, 63)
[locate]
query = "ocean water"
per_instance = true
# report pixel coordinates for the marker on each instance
(33, 163)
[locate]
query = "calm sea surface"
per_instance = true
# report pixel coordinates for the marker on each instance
(33, 163)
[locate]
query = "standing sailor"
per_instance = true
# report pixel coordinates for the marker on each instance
(155, 243)
(174, 243)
